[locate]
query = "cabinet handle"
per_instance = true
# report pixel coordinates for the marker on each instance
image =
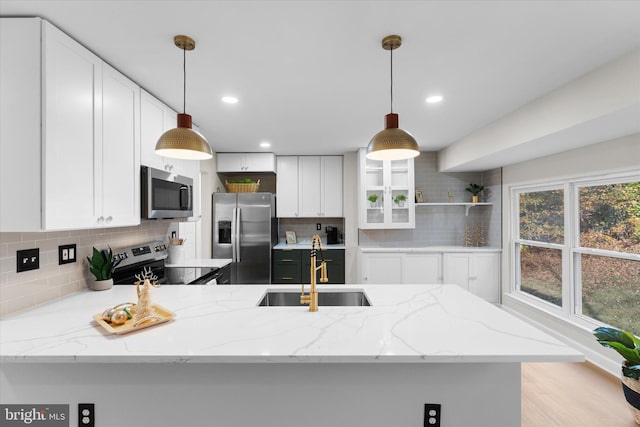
(109, 219)
(287, 278)
(286, 260)
(100, 219)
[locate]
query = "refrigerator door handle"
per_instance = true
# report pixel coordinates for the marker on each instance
(234, 237)
(238, 210)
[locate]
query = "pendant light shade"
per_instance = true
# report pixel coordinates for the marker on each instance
(183, 142)
(392, 143)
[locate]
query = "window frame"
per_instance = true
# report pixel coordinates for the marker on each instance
(571, 308)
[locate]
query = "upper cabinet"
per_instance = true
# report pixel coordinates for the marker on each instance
(386, 193)
(309, 186)
(70, 138)
(155, 119)
(245, 162)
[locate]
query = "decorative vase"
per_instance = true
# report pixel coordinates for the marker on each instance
(401, 204)
(102, 285)
(474, 199)
(373, 204)
(631, 389)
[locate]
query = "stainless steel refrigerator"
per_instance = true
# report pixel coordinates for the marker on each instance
(244, 228)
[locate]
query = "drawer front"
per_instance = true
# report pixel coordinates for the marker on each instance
(286, 273)
(286, 256)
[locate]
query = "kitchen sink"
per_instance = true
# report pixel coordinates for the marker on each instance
(325, 298)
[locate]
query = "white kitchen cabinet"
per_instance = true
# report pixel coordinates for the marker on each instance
(155, 119)
(422, 268)
(382, 268)
(80, 113)
(385, 180)
(477, 272)
(309, 186)
(245, 162)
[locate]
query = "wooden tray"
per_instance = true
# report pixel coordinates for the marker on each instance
(163, 314)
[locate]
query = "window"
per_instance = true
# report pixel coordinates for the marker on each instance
(540, 243)
(577, 250)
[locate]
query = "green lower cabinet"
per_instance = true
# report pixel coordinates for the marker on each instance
(335, 267)
(294, 266)
(286, 266)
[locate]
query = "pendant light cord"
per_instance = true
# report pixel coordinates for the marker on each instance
(391, 51)
(184, 80)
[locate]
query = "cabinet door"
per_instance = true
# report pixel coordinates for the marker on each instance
(120, 149)
(151, 128)
(72, 129)
(331, 195)
(382, 268)
(286, 266)
(457, 269)
(335, 266)
(423, 268)
(309, 201)
(230, 162)
(260, 162)
(287, 187)
(485, 278)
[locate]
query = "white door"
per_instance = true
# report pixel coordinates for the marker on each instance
(382, 268)
(309, 201)
(331, 197)
(72, 128)
(151, 128)
(457, 269)
(287, 187)
(485, 276)
(260, 162)
(120, 149)
(230, 162)
(423, 268)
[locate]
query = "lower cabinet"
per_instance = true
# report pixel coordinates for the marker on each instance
(478, 272)
(294, 266)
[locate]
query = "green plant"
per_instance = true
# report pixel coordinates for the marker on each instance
(400, 198)
(373, 198)
(474, 189)
(101, 264)
(626, 344)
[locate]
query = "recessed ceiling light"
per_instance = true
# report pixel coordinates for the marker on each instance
(230, 99)
(265, 144)
(434, 99)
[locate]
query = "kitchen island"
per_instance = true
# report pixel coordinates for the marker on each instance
(225, 361)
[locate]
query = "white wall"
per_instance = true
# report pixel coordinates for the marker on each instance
(615, 156)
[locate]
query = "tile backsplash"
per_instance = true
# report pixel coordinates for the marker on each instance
(20, 291)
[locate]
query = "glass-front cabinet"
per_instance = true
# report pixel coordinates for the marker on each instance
(386, 193)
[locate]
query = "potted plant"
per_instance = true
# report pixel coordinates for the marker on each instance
(400, 199)
(475, 189)
(373, 200)
(101, 266)
(628, 346)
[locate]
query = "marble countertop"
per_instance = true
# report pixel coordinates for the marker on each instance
(200, 263)
(223, 324)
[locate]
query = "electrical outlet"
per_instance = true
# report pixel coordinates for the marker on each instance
(432, 412)
(27, 259)
(66, 254)
(86, 415)
(318, 226)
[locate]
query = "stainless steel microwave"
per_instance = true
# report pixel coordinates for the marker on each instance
(165, 195)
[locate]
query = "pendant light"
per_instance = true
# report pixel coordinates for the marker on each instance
(392, 143)
(184, 142)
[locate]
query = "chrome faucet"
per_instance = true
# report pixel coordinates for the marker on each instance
(312, 297)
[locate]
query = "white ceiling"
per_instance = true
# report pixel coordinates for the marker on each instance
(312, 77)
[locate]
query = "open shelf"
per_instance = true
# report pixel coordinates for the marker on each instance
(467, 205)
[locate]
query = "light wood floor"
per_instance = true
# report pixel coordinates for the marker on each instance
(572, 395)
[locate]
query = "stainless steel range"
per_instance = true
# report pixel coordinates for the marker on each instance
(134, 259)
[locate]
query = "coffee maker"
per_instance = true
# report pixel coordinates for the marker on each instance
(332, 235)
